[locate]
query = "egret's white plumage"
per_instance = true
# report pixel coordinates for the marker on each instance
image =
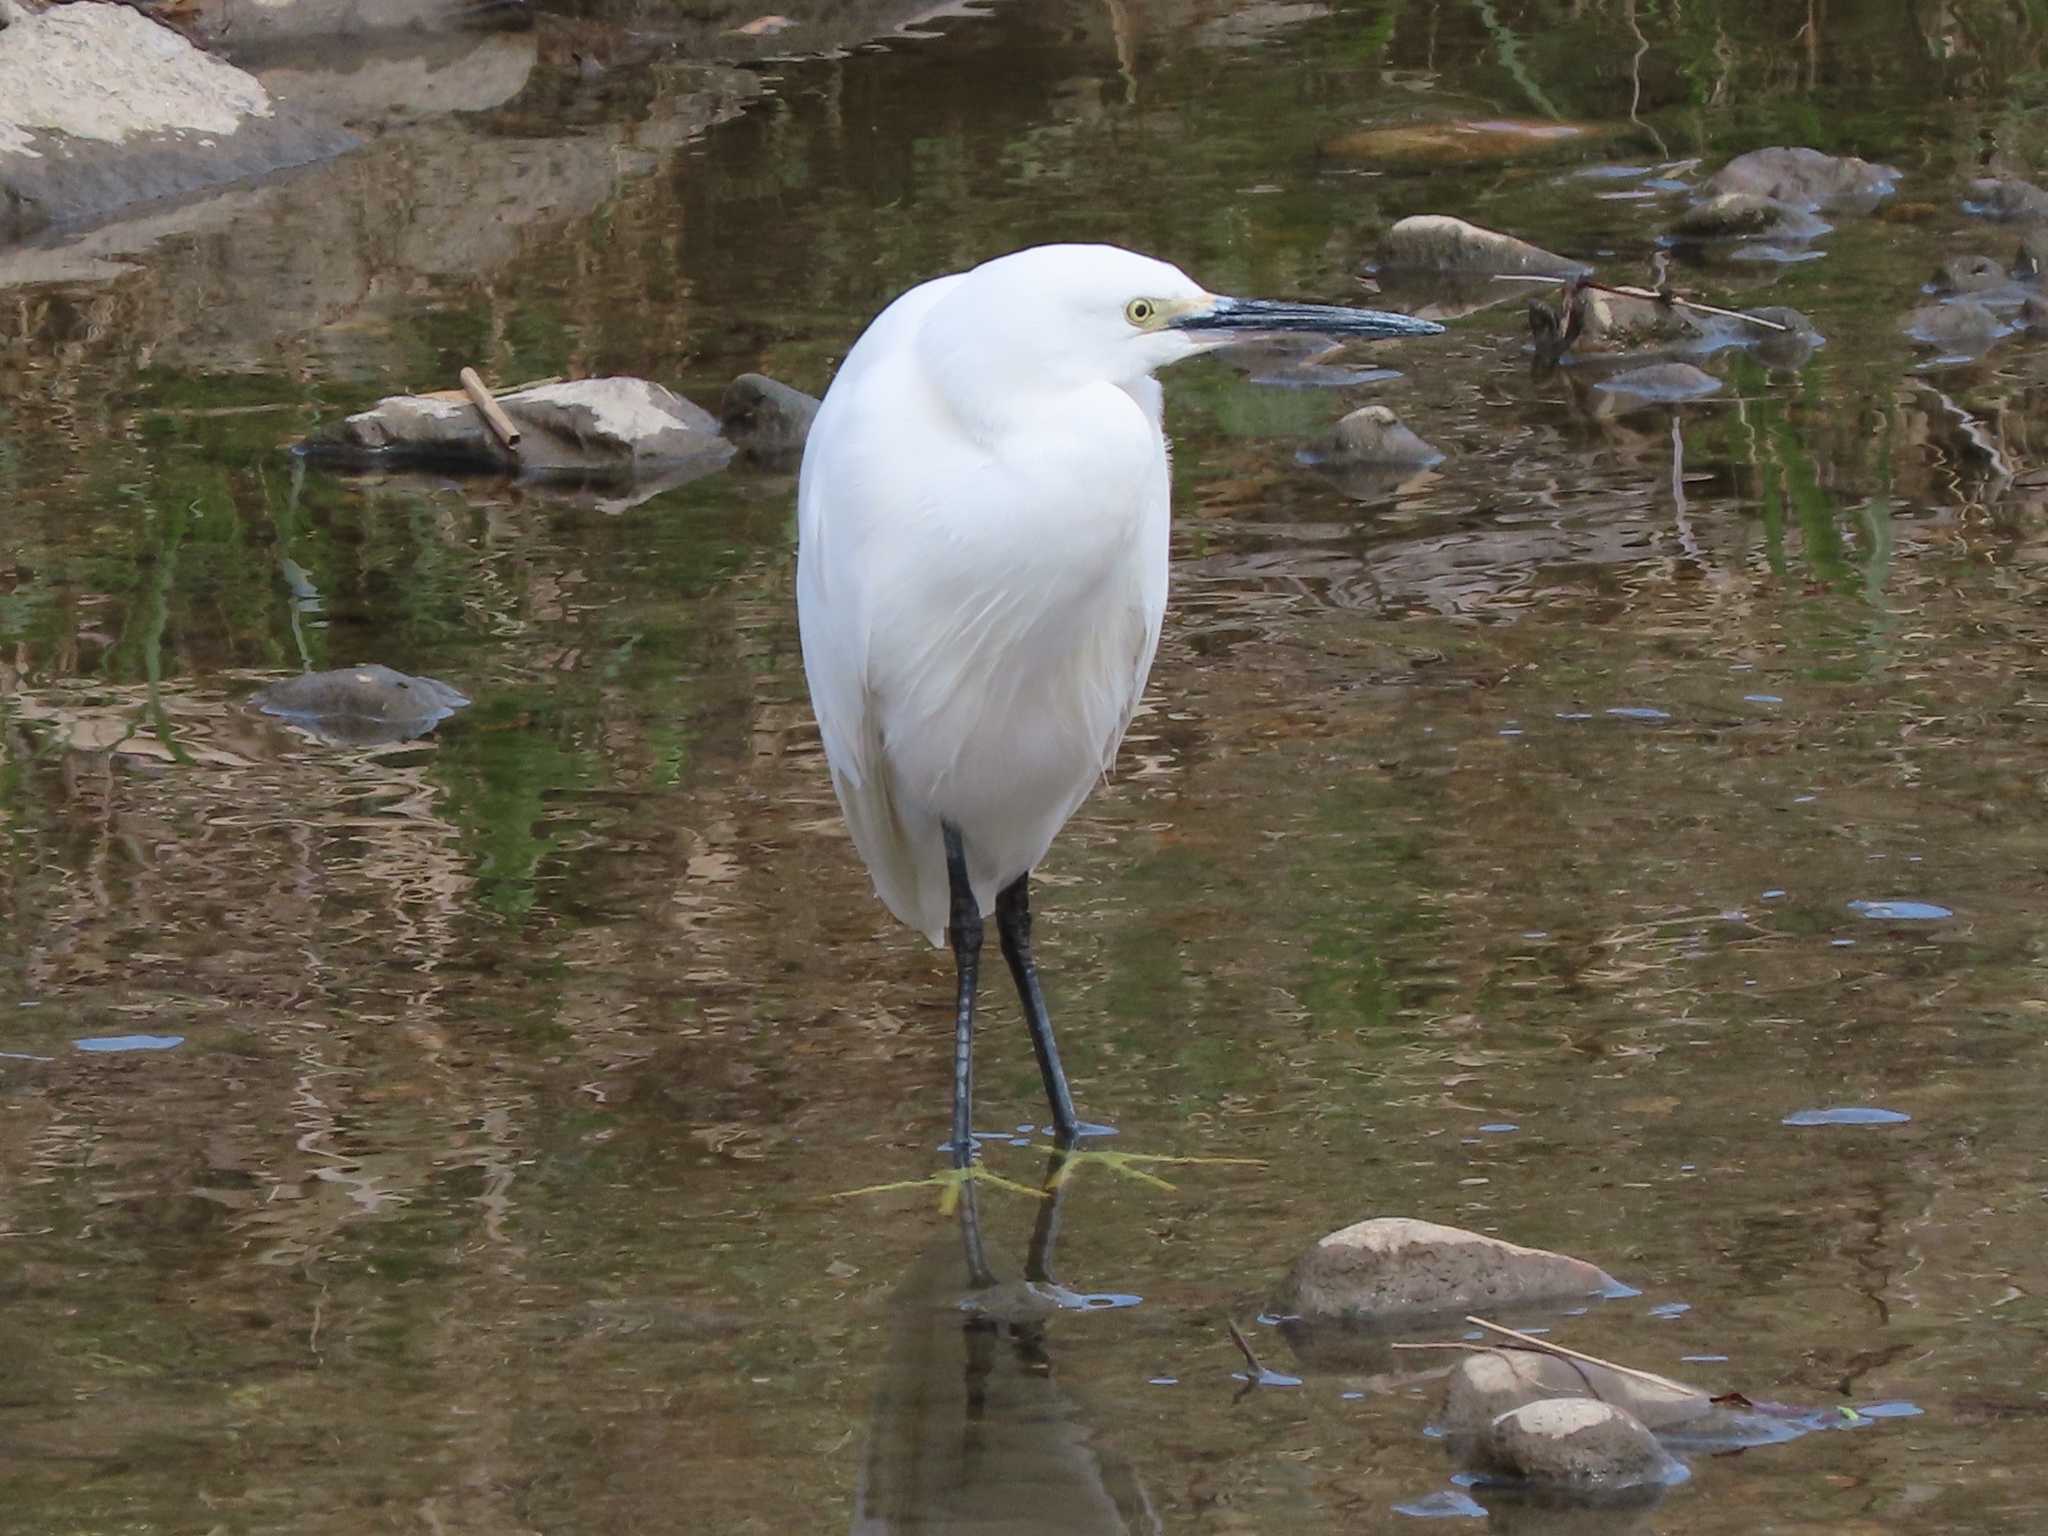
(981, 574)
(981, 560)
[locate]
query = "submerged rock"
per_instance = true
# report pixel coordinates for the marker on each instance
(1805, 178)
(1961, 325)
(1968, 274)
(1393, 1265)
(1575, 1444)
(360, 706)
(1373, 435)
(765, 418)
(1662, 383)
(1488, 1383)
(1440, 243)
(100, 106)
(2007, 199)
(1789, 348)
(1746, 216)
(588, 428)
(1461, 140)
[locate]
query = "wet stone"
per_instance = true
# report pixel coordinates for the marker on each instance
(587, 428)
(1574, 1444)
(1806, 178)
(1961, 325)
(1787, 348)
(765, 418)
(1618, 322)
(1746, 216)
(1437, 242)
(1396, 1266)
(1488, 1383)
(361, 705)
(1968, 274)
(1662, 383)
(100, 106)
(1373, 435)
(2007, 199)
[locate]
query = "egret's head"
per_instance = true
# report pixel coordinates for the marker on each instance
(1061, 316)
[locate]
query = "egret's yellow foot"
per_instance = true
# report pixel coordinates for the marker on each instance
(1126, 1163)
(949, 1182)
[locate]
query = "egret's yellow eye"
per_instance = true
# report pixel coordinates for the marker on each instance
(1140, 311)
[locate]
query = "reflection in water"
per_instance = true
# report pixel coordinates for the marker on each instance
(972, 1430)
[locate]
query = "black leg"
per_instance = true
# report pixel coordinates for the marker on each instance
(965, 932)
(1013, 922)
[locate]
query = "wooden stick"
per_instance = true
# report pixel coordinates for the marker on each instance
(1530, 1341)
(493, 413)
(1245, 1346)
(1645, 293)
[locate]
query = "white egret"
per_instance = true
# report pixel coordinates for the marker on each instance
(981, 574)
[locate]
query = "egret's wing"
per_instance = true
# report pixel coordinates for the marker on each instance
(835, 522)
(1151, 566)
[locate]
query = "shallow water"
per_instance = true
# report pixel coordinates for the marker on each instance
(440, 1135)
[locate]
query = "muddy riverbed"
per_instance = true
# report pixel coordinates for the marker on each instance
(441, 1134)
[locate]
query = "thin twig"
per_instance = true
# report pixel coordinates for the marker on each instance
(1245, 1346)
(1648, 294)
(493, 413)
(1532, 1342)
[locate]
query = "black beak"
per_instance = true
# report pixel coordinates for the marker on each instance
(1267, 316)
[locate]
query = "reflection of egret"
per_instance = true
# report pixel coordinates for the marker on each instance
(981, 575)
(972, 1431)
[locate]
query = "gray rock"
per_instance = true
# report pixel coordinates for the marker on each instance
(1488, 1383)
(2034, 313)
(1373, 435)
(1575, 1444)
(1746, 216)
(615, 428)
(1395, 1266)
(2031, 259)
(764, 418)
(1662, 383)
(1961, 325)
(1617, 322)
(1789, 348)
(1968, 274)
(1806, 178)
(1437, 242)
(99, 106)
(360, 706)
(2007, 199)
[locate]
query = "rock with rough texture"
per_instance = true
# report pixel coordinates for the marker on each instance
(1373, 435)
(764, 418)
(1393, 1266)
(587, 428)
(360, 706)
(1618, 322)
(1789, 348)
(1661, 384)
(1488, 1383)
(1574, 1444)
(1746, 216)
(1959, 326)
(1806, 178)
(1968, 274)
(2007, 199)
(100, 106)
(1439, 243)
(2031, 260)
